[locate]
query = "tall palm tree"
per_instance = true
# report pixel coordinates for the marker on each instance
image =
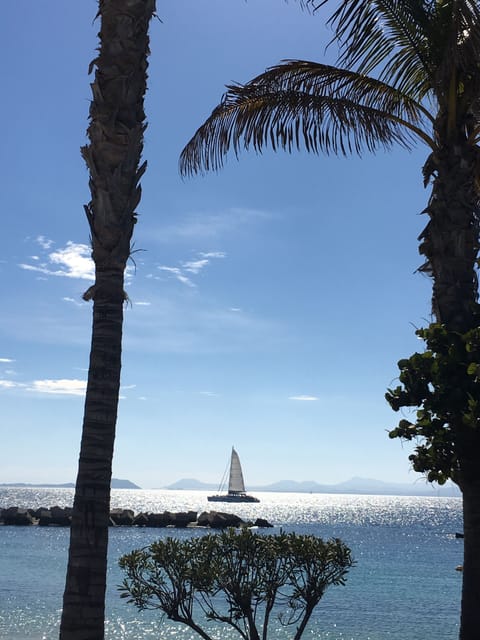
(117, 125)
(408, 71)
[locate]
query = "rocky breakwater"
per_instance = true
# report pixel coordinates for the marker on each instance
(61, 517)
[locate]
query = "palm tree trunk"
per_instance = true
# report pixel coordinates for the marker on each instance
(450, 239)
(117, 124)
(470, 614)
(84, 597)
(450, 244)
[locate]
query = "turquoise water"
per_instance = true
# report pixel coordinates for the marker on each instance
(403, 587)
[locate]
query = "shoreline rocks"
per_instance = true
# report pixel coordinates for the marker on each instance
(62, 516)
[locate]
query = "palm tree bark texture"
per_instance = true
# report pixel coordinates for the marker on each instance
(407, 72)
(115, 132)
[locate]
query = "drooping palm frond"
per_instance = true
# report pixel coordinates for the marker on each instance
(325, 108)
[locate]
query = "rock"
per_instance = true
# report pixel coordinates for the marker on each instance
(61, 516)
(140, 520)
(159, 519)
(44, 517)
(17, 517)
(219, 520)
(183, 518)
(121, 517)
(261, 522)
(166, 519)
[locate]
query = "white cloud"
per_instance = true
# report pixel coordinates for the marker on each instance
(6, 360)
(210, 394)
(73, 261)
(192, 266)
(77, 303)
(175, 271)
(213, 254)
(59, 387)
(195, 266)
(303, 398)
(44, 242)
(141, 303)
(10, 384)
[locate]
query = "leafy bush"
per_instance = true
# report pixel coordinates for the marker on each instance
(238, 578)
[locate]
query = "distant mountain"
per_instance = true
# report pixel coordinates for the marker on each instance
(192, 485)
(123, 484)
(116, 484)
(27, 485)
(354, 485)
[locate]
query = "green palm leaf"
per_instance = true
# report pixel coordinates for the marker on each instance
(325, 108)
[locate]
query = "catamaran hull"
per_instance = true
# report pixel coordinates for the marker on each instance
(228, 498)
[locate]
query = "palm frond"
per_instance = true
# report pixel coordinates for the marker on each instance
(297, 103)
(412, 45)
(385, 37)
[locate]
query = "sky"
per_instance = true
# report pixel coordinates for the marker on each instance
(270, 302)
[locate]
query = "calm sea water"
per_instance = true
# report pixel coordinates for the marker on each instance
(403, 587)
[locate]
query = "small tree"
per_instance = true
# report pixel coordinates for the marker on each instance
(236, 578)
(441, 387)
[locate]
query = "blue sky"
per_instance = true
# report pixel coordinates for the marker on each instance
(269, 302)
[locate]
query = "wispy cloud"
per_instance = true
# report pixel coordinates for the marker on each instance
(6, 360)
(59, 387)
(178, 326)
(10, 384)
(193, 267)
(303, 398)
(71, 261)
(210, 394)
(142, 303)
(213, 254)
(77, 303)
(175, 271)
(44, 242)
(204, 226)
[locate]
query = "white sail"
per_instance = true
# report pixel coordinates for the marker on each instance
(235, 483)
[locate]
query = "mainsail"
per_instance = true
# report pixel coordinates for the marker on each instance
(235, 483)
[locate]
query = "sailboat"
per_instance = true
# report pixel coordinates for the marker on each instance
(236, 485)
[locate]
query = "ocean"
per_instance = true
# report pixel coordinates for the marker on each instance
(404, 585)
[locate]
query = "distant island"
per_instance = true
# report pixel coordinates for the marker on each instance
(116, 484)
(365, 486)
(354, 486)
